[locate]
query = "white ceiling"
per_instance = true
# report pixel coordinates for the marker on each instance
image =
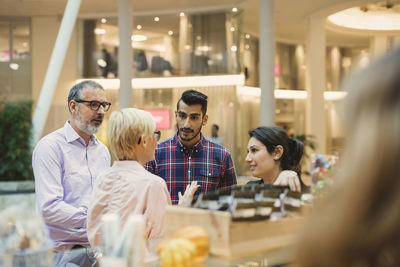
(291, 16)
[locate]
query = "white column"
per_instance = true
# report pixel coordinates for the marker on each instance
(54, 68)
(316, 80)
(125, 53)
(266, 59)
(184, 52)
(379, 45)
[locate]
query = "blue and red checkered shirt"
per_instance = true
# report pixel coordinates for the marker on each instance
(208, 163)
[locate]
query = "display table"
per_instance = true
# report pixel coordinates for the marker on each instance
(92, 257)
(279, 257)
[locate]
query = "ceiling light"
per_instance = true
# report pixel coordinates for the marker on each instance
(175, 82)
(156, 19)
(232, 29)
(334, 95)
(379, 20)
(234, 9)
(14, 66)
(247, 36)
(102, 63)
(103, 20)
(203, 48)
(170, 32)
(290, 94)
(181, 14)
(139, 27)
(138, 37)
(233, 48)
(99, 31)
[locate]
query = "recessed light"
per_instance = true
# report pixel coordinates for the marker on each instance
(182, 14)
(170, 32)
(247, 36)
(156, 19)
(138, 37)
(234, 9)
(232, 29)
(139, 27)
(103, 20)
(14, 66)
(99, 31)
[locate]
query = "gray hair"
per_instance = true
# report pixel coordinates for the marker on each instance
(76, 91)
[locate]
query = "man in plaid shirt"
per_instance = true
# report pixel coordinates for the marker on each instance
(189, 156)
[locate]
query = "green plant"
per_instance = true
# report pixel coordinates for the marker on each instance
(15, 136)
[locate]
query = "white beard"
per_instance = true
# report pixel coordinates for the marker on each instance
(85, 126)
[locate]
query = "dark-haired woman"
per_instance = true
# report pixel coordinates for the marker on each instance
(275, 158)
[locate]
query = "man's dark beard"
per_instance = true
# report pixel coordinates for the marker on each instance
(188, 139)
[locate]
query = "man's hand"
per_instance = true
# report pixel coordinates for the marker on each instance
(187, 197)
(289, 178)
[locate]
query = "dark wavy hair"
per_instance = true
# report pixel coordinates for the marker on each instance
(274, 136)
(193, 97)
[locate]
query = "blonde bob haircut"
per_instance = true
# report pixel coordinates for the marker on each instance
(125, 127)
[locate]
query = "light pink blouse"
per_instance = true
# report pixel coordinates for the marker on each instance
(124, 189)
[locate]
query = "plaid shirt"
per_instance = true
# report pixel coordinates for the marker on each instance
(208, 163)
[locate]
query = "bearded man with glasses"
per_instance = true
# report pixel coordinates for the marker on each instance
(66, 163)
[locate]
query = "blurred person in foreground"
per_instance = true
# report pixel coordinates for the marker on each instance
(275, 158)
(66, 163)
(357, 224)
(127, 187)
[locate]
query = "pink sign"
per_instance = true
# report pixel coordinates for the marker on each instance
(277, 70)
(162, 117)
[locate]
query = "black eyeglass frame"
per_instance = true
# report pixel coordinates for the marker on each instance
(156, 132)
(105, 105)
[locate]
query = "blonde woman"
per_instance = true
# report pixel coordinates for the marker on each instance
(127, 187)
(359, 223)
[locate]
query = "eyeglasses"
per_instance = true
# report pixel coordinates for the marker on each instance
(95, 105)
(157, 134)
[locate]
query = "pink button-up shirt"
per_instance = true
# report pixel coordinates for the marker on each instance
(124, 189)
(65, 170)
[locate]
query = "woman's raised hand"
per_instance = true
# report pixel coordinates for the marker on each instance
(289, 178)
(187, 197)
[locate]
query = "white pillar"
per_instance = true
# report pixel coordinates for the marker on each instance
(54, 68)
(125, 53)
(316, 81)
(266, 59)
(184, 52)
(379, 45)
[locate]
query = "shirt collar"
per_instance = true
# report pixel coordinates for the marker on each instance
(196, 147)
(71, 135)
